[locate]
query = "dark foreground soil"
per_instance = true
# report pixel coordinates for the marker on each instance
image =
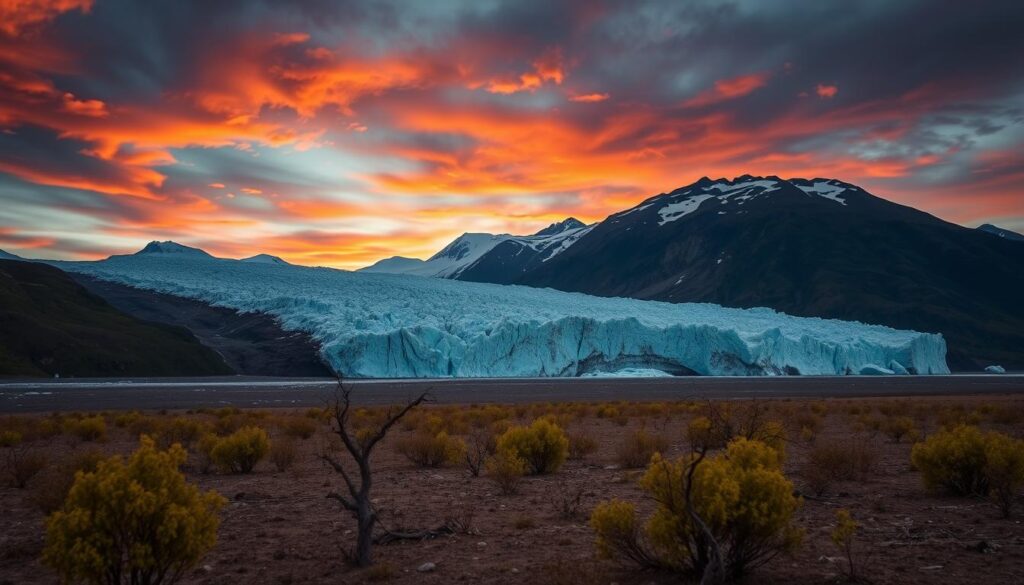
(251, 344)
(279, 528)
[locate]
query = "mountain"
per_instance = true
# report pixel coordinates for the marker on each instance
(1001, 232)
(8, 256)
(169, 248)
(812, 247)
(817, 247)
(265, 259)
(488, 257)
(51, 325)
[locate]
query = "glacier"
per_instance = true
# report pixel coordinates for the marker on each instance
(403, 326)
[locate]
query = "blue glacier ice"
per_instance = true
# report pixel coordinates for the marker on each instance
(388, 325)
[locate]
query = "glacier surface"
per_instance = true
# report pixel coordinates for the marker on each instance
(387, 325)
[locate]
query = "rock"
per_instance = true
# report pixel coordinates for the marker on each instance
(994, 369)
(481, 543)
(427, 568)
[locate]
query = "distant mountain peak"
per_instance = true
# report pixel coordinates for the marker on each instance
(265, 259)
(168, 247)
(1001, 232)
(569, 223)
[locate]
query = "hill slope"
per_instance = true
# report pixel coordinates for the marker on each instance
(51, 325)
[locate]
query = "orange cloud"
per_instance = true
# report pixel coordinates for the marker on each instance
(93, 108)
(826, 91)
(548, 67)
(727, 89)
(589, 97)
(18, 15)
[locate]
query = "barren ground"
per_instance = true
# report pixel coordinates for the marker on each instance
(279, 528)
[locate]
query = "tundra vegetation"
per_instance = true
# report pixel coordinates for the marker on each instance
(780, 491)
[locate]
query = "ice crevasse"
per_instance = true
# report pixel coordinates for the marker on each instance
(382, 325)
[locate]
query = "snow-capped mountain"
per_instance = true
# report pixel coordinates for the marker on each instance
(386, 325)
(1001, 232)
(817, 247)
(265, 259)
(488, 257)
(814, 247)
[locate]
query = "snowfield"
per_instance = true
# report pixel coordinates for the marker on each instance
(388, 325)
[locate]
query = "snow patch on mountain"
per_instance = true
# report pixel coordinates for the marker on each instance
(825, 189)
(380, 325)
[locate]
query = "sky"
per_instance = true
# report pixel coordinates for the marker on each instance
(339, 132)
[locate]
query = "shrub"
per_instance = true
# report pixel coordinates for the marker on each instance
(299, 427)
(837, 461)
(427, 450)
(953, 461)
(50, 488)
(138, 521)
(567, 501)
(581, 445)
(480, 444)
(21, 464)
(967, 461)
(898, 427)
(741, 495)
(639, 447)
(506, 470)
(283, 452)
(204, 452)
(181, 430)
(542, 445)
(90, 428)
(242, 450)
(1004, 470)
(10, 439)
(842, 536)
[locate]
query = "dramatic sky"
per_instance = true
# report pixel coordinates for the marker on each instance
(340, 132)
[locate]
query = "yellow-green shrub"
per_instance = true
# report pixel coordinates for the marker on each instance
(953, 461)
(542, 445)
(90, 428)
(240, 451)
(968, 461)
(10, 438)
(506, 470)
(741, 495)
(1004, 470)
(431, 450)
(138, 521)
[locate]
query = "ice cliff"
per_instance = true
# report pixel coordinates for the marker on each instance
(383, 325)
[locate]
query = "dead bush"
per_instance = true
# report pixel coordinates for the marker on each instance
(567, 501)
(832, 461)
(581, 445)
(480, 444)
(638, 448)
(51, 486)
(283, 453)
(22, 463)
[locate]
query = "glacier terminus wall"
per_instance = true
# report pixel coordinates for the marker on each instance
(393, 326)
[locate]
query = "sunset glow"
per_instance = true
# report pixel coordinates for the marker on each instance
(341, 134)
